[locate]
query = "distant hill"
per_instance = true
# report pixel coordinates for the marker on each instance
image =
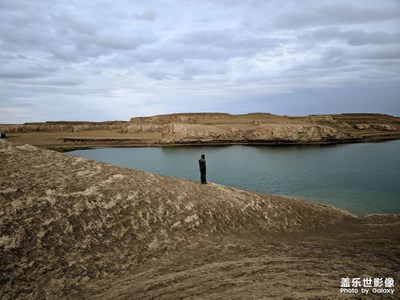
(210, 129)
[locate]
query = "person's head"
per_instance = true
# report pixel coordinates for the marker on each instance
(203, 156)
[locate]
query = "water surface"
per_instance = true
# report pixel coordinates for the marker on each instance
(361, 178)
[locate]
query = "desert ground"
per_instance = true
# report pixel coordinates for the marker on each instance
(207, 128)
(73, 228)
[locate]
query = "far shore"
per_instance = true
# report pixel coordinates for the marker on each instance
(53, 141)
(207, 129)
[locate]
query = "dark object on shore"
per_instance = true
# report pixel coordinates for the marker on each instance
(2, 135)
(202, 165)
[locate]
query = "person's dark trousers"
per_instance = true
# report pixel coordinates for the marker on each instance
(203, 176)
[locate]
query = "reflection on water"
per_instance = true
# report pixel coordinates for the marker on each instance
(361, 178)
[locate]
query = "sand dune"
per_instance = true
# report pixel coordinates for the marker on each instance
(71, 227)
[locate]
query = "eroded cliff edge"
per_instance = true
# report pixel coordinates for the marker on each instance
(209, 128)
(72, 227)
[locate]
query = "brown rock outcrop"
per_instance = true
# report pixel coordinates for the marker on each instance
(291, 133)
(267, 128)
(181, 117)
(381, 127)
(61, 127)
(183, 133)
(295, 132)
(142, 128)
(209, 128)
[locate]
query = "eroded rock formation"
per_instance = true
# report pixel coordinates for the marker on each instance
(272, 133)
(62, 127)
(209, 128)
(267, 128)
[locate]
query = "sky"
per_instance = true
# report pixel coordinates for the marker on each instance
(112, 60)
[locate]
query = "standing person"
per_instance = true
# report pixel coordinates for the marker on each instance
(202, 165)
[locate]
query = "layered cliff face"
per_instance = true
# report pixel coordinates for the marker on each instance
(182, 117)
(66, 220)
(183, 133)
(267, 128)
(296, 132)
(210, 128)
(285, 133)
(142, 128)
(61, 127)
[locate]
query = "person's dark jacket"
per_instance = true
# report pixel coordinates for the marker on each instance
(202, 164)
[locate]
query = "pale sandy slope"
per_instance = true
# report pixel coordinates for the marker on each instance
(74, 228)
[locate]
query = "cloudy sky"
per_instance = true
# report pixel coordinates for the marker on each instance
(107, 60)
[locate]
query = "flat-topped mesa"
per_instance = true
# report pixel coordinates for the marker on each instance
(76, 123)
(258, 133)
(62, 126)
(180, 117)
(209, 128)
(158, 123)
(264, 128)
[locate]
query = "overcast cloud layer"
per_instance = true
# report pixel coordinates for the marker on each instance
(106, 60)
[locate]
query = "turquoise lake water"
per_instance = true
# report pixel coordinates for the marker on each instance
(361, 178)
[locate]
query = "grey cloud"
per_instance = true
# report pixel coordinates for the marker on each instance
(79, 25)
(357, 37)
(22, 71)
(56, 82)
(350, 98)
(209, 68)
(192, 69)
(20, 74)
(228, 39)
(218, 45)
(160, 75)
(360, 37)
(334, 53)
(157, 75)
(230, 3)
(177, 53)
(17, 103)
(28, 36)
(118, 41)
(7, 58)
(148, 15)
(337, 13)
(9, 5)
(78, 48)
(347, 13)
(69, 36)
(332, 57)
(388, 53)
(77, 51)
